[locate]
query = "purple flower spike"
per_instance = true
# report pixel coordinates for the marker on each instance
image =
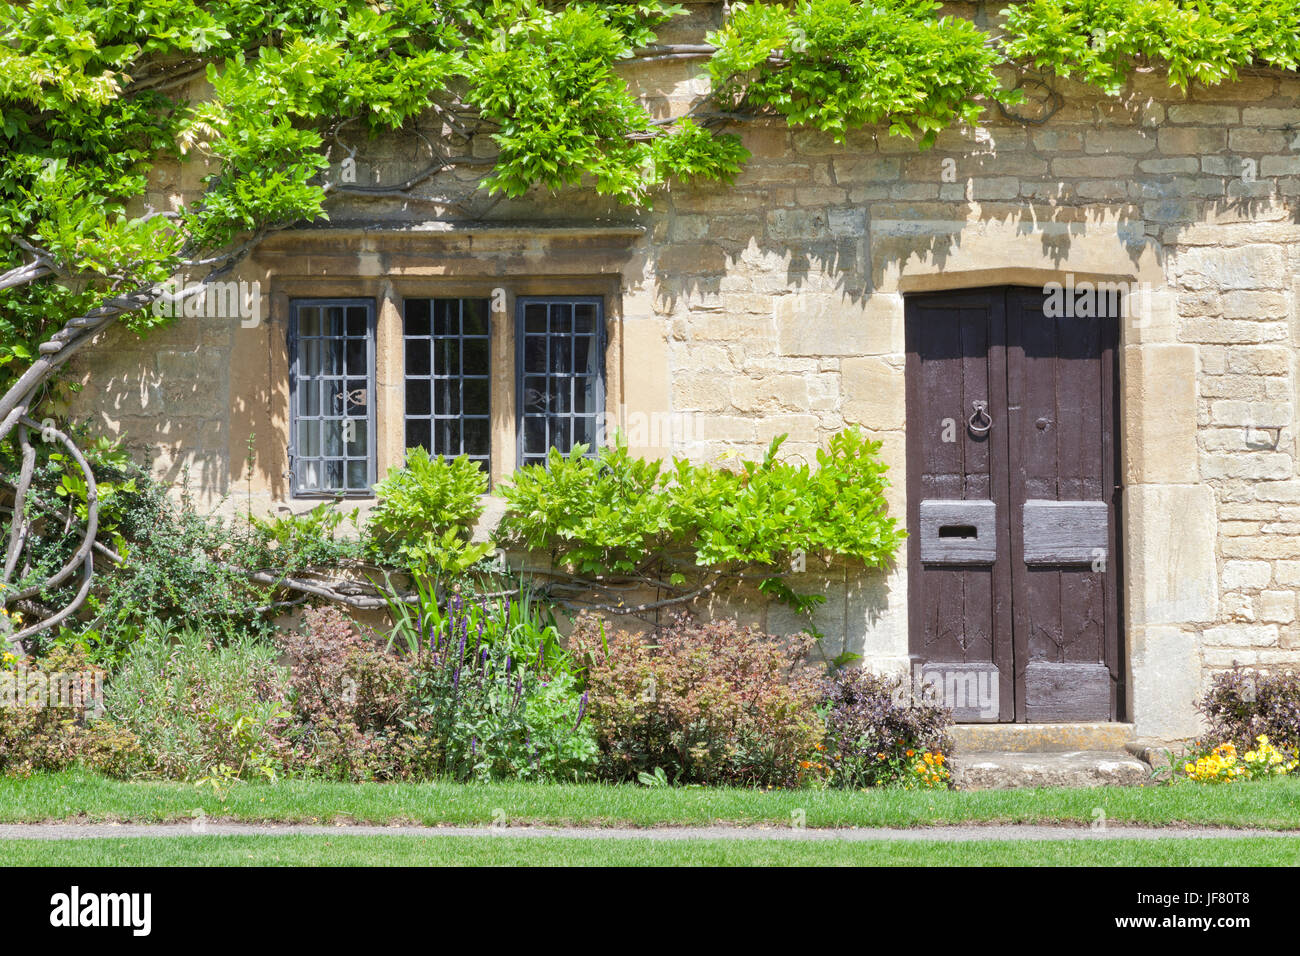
(582, 709)
(460, 657)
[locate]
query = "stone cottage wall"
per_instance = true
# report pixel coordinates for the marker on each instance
(776, 306)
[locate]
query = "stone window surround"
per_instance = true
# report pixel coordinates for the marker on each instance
(388, 293)
(391, 261)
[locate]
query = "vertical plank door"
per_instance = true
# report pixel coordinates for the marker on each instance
(1013, 503)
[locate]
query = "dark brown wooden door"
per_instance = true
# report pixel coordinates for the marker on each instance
(1012, 503)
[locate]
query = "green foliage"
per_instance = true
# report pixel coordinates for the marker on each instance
(840, 64)
(425, 512)
(521, 625)
(595, 515)
(546, 76)
(614, 513)
(177, 563)
(1207, 42)
(711, 704)
(291, 543)
(201, 709)
(351, 705)
(498, 693)
(48, 719)
(767, 511)
(94, 95)
(177, 566)
(548, 81)
(695, 154)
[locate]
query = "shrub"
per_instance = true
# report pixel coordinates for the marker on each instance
(616, 514)
(293, 542)
(426, 511)
(165, 547)
(179, 565)
(712, 703)
(522, 625)
(500, 695)
(611, 512)
(351, 704)
(875, 737)
(201, 709)
(1242, 704)
(50, 737)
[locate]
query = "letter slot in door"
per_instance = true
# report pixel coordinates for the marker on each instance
(958, 532)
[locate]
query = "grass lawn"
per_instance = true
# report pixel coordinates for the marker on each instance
(570, 851)
(77, 796)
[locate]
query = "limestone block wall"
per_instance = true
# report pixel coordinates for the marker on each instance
(776, 306)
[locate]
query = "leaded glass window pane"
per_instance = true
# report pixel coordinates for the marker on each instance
(447, 344)
(561, 399)
(332, 405)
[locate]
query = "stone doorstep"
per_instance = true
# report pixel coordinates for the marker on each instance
(1085, 768)
(1158, 753)
(1041, 738)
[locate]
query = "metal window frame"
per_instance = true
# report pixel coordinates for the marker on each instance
(295, 492)
(460, 378)
(521, 303)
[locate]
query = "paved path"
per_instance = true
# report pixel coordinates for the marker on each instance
(961, 834)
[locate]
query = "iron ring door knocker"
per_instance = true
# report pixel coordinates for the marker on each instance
(981, 410)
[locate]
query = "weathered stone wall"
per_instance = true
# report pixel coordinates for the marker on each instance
(776, 306)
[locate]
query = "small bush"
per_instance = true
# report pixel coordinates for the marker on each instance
(49, 738)
(293, 542)
(178, 563)
(203, 710)
(351, 704)
(426, 511)
(875, 737)
(500, 695)
(712, 703)
(522, 625)
(1242, 704)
